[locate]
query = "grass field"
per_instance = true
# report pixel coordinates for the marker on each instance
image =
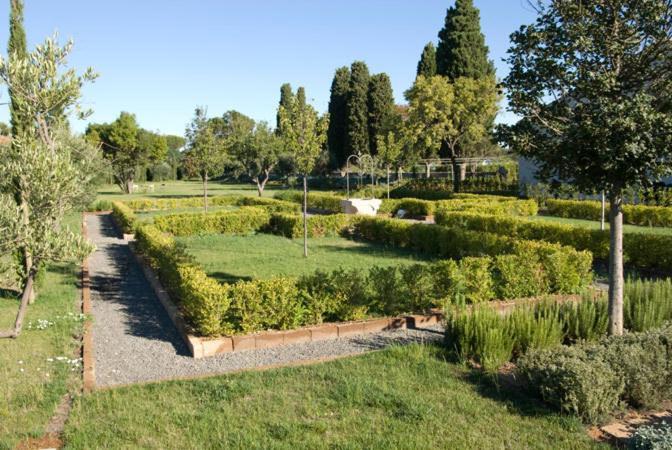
(231, 258)
(182, 189)
(403, 397)
(37, 368)
(596, 225)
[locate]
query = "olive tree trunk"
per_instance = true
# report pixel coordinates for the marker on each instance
(305, 217)
(23, 306)
(616, 265)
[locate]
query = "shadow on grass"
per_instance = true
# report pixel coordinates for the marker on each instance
(368, 249)
(224, 277)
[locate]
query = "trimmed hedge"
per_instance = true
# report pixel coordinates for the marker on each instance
(220, 200)
(594, 381)
(441, 189)
(242, 221)
(124, 217)
(291, 225)
(651, 216)
(317, 200)
(648, 251)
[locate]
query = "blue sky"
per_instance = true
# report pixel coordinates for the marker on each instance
(160, 59)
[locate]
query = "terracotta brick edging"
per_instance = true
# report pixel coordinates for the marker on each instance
(201, 347)
(88, 373)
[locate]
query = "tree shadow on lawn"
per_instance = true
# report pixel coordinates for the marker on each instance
(368, 249)
(228, 278)
(124, 283)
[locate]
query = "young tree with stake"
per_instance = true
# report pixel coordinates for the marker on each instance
(303, 135)
(592, 82)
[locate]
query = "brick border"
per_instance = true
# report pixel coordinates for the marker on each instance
(88, 374)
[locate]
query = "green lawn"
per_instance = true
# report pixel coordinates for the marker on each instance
(33, 370)
(403, 397)
(229, 258)
(596, 225)
(164, 189)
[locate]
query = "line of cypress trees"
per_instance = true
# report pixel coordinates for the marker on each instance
(427, 63)
(381, 106)
(338, 117)
(16, 49)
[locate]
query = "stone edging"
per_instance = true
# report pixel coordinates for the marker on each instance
(88, 375)
(203, 347)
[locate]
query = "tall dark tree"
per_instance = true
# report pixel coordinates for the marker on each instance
(381, 107)
(286, 96)
(427, 63)
(301, 95)
(16, 50)
(357, 130)
(336, 140)
(462, 51)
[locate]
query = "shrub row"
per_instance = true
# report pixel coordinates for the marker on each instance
(594, 381)
(244, 220)
(492, 339)
(124, 217)
(441, 189)
(651, 216)
(483, 204)
(220, 200)
(291, 225)
(647, 251)
(317, 200)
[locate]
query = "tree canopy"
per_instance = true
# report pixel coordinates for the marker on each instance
(357, 131)
(380, 106)
(427, 63)
(336, 135)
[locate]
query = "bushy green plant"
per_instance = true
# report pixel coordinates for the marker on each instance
(651, 437)
(647, 305)
(124, 217)
(244, 220)
(585, 320)
(291, 225)
(651, 216)
(316, 200)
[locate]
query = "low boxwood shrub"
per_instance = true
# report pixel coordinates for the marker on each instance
(291, 225)
(241, 221)
(412, 207)
(155, 204)
(438, 188)
(500, 206)
(647, 251)
(99, 205)
(270, 204)
(650, 216)
(124, 217)
(317, 200)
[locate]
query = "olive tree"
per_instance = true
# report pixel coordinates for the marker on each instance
(591, 81)
(258, 154)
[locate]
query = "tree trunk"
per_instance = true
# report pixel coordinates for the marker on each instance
(129, 186)
(205, 192)
(457, 173)
(428, 170)
(25, 298)
(616, 265)
(262, 185)
(26, 257)
(305, 217)
(388, 182)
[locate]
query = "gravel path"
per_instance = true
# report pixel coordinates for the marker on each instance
(135, 341)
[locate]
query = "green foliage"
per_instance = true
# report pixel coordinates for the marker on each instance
(380, 104)
(594, 380)
(286, 98)
(647, 305)
(338, 117)
(291, 225)
(412, 206)
(427, 63)
(242, 221)
(647, 251)
(317, 200)
(357, 129)
(17, 50)
(647, 216)
(440, 189)
(205, 154)
(124, 217)
(462, 51)
(651, 437)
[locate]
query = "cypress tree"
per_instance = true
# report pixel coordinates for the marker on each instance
(16, 49)
(357, 130)
(336, 139)
(286, 96)
(301, 96)
(380, 106)
(462, 51)
(427, 63)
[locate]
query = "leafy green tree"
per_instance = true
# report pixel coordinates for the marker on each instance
(304, 134)
(380, 106)
(5, 130)
(390, 147)
(258, 155)
(174, 155)
(286, 96)
(591, 81)
(462, 51)
(336, 135)
(357, 130)
(448, 113)
(44, 168)
(427, 63)
(206, 152)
